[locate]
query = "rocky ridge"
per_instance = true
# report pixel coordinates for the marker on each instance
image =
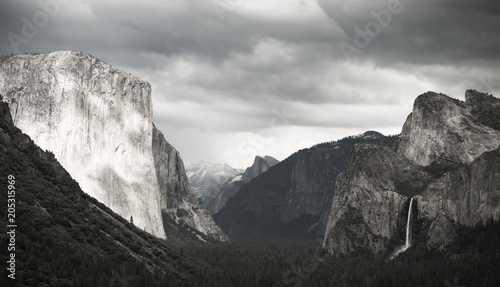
(259, 166)
(446, 159)
(441, 127)
(232, 186)
(293, 198)
(178, 202)
(206, 180)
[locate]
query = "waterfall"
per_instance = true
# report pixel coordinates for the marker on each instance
(408, 235)
(408, 227)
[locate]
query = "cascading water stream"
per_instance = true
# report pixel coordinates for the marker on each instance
(408, 235)
(408, 227)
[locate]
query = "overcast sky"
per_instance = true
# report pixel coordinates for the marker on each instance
(235, 78)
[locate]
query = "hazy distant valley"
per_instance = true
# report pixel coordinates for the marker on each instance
(214, 184)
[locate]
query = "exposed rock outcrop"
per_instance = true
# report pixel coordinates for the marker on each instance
(58, 217)
(444, 128)
(97, 120)
(467, 195)
(177, 199)
(446, 158)
(259, 166)
(370, 198)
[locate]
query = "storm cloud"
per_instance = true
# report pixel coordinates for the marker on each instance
(235, 78)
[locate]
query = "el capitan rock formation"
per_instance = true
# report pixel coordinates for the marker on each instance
(97, 120)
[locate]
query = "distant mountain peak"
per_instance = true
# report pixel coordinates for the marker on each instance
(368, 135)
(214, 183)
(260, 165)
(206, 178)
(372, 135)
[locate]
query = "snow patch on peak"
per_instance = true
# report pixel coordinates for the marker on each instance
(206, 178)
(237, 178)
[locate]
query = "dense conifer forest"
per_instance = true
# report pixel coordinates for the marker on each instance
(472, 260)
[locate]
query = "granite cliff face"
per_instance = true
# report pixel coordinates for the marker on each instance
(292, 199)
(446, 159)
(178, 202)
(259, 166)
(97, 120)
(467, 195)
(444, 128)
(371, 200)
(55, 215)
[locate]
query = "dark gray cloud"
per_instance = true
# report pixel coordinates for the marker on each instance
(224, 74)
(422, 32)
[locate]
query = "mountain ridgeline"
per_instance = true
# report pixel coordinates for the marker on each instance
(206, 180)
(181, 212)
(214, 184)
(259, 166)
(292, 198)
(447, 159)
(97, 120)
(231, 187)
